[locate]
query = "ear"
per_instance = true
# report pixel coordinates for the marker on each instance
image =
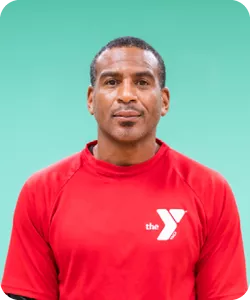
(165, 95)
(90, 100)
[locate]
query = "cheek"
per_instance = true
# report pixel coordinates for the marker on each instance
(153, 105)
(102, 105)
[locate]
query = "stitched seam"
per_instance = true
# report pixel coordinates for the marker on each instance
(198, 197)
(58, 193)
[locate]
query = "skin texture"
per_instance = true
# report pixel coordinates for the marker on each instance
(127, 79)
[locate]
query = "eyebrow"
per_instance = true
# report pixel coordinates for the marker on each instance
(109, 74)
(117, 74)
(145, 74)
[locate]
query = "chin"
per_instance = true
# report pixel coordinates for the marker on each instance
(128, 136)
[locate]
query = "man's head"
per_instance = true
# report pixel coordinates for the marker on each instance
(127, 95)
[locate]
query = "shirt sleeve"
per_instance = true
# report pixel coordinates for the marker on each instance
(18, 297)
(30, 268)
(221, 270)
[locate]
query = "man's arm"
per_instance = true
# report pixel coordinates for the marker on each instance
(221, 270)
(30, 269)
(19, 297)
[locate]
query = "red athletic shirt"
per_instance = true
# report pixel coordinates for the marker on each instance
(164, 229)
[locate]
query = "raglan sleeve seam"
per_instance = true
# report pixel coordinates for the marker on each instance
(54, 203)
(195, 193)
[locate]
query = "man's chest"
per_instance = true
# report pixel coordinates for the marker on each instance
(121, 222)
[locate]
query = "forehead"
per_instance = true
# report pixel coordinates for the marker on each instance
(126, 59)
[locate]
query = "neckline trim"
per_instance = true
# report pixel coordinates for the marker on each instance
(111, 170)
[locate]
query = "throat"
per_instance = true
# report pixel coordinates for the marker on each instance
(124, 156)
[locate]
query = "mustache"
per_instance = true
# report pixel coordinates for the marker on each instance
(127, 108)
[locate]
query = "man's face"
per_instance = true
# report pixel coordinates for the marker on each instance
(127, 100)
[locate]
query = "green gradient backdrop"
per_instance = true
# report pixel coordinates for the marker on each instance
(45, 52)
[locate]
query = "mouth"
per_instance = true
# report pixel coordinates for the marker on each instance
(127, 115)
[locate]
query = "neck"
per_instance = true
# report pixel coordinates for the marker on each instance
(125, 154)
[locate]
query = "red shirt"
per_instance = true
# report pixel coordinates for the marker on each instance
(165, 229)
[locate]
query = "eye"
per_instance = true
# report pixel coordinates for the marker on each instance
(111, 82)
(142, 82)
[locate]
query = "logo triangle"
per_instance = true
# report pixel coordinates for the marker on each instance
(177, 214)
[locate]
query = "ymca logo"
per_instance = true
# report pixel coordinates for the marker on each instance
(170, 219)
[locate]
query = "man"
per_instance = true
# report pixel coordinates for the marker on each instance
(128, 217)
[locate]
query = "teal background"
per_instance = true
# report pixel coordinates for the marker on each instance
(45, 51)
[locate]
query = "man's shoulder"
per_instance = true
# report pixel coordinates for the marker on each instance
(56, 174)
(198, 176)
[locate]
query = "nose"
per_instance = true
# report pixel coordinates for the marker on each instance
(127, 92)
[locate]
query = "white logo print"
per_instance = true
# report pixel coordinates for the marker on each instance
(170, 219)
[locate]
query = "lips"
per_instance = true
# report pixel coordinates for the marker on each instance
(127, 114)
